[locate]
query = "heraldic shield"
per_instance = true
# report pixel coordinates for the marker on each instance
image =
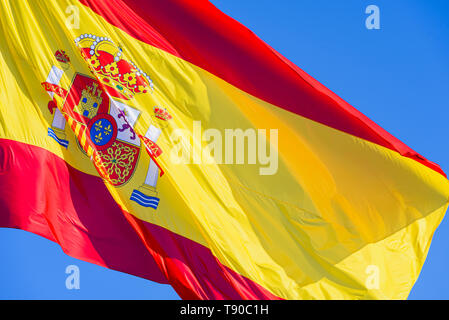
(91, 107)
(99, 110)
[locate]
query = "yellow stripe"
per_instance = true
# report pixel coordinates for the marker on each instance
(77, 129)
(90, 151)
(336, 207)
(83, 139)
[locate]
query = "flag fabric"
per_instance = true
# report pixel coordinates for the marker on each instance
(111, 114)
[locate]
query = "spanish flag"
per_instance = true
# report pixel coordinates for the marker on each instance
(165, 140)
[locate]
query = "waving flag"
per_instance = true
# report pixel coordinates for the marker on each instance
(111, 115)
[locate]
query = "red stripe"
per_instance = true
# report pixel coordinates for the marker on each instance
(41, 193)
(198, 32)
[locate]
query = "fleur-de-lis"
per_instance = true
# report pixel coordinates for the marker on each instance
(98, 126)
(107, 130)
(98, 138)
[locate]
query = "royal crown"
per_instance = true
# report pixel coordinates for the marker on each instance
(106, 60)
(90, 101)
(61, 56)
(162, 114)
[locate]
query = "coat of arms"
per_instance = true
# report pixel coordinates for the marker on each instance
(98, 108)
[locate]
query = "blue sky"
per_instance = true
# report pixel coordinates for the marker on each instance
(398, 76)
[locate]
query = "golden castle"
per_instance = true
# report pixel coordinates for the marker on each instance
(89, 102)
